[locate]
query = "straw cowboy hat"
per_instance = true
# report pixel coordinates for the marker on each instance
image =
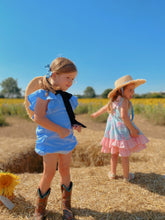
(32, 87)
(124, 81)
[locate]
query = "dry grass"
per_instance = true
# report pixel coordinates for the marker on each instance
(95, 197)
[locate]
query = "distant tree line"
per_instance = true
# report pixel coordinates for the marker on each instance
(151, 95)
(89, 92)
(10, 89)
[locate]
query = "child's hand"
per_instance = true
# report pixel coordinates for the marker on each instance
(100, 111)
(64, 132)
(134, 132)
(94, 115)
(77, 127)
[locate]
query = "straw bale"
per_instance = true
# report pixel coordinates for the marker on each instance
(94, 196)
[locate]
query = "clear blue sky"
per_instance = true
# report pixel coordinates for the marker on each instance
(106, 39)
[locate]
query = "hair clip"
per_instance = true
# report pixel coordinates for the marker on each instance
(49, 73)
(122, 91)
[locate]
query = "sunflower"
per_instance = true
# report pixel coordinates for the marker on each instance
(8, 181)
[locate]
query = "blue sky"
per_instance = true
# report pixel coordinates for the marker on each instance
(105, 39)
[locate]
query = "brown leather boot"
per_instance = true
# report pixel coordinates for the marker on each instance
(66, 202)
(41, 205)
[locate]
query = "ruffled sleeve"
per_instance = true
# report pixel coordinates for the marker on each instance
(73, 102)
(42, 94)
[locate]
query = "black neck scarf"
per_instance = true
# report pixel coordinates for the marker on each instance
(66, 96)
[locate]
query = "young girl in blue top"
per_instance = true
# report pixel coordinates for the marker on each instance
(45, 102)
(121, 136)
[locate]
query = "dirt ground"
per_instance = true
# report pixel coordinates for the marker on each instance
(95, 197)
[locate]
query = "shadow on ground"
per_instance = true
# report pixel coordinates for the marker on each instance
(25, 209)
(154, 183)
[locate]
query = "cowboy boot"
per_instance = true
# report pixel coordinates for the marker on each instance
(41, 205)
(66, 202)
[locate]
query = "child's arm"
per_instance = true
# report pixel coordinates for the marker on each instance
(39, 118)
(100, 111)
(124, 115)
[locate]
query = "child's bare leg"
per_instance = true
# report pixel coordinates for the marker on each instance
(114, 158)
(64, 168)
(125, 165)
(49, 165)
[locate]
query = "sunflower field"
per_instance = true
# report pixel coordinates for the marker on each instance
(149, 101)
(151, 108)
(11, 107)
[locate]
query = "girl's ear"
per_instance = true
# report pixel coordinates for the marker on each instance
(54, 75)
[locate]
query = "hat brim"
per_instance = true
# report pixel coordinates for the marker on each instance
(32, 87)
(137, 83)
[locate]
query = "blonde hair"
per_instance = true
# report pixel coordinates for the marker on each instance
(117, 93)
(60, 65)
(114, 97)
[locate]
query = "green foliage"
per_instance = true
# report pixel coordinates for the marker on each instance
(81, 109)
(10, 88)
(139, 109)
(105, 93)
(89, 92)
(3, 121)
(89, 109)
(154, 95)
(2, 96)
(94, 108)
(150, 95)
(101, 118)
(155, 113)
(14, 110)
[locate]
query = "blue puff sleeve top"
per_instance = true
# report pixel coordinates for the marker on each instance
(49, 141)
